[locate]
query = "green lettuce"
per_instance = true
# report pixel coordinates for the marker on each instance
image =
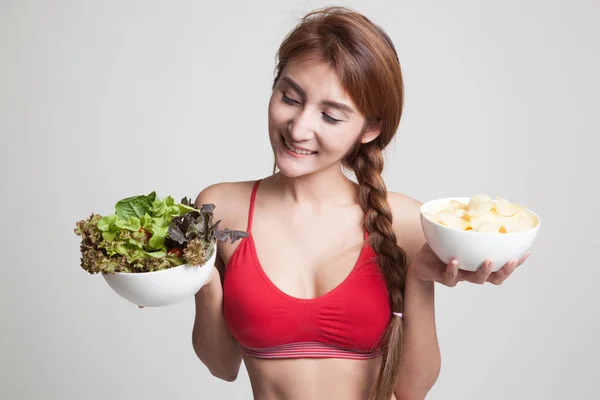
(147, 233)
(197, 234)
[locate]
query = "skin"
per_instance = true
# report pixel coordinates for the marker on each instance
(309, 210)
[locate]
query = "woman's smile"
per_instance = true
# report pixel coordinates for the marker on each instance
(297, 151)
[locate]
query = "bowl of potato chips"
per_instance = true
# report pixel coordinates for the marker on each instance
(478, 228)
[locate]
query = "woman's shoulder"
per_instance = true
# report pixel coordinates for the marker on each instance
(403, 206)
(225, 191)
(231, 201)
(406, 222)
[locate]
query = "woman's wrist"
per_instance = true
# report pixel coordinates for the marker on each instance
(413, 275)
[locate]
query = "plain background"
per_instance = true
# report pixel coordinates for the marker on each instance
(103, 100)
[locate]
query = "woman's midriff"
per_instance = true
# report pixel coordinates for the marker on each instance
(312, 379)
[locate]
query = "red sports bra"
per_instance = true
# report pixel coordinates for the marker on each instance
(346, 322)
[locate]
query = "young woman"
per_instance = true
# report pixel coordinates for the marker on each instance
(331, 296)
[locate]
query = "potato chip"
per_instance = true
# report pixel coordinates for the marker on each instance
(491, 227)
(503, 207)
(460, 212)
(479, 210)
(452, 220)
(525, 219)
(516, 224)
(479, 205)
(483, 219)
(479, 199)
(483, 214)
(457, 205)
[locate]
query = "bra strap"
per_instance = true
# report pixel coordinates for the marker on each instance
(251, 208)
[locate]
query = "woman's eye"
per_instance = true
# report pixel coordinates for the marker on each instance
(292, 102)
(288, 100)
(330, 120)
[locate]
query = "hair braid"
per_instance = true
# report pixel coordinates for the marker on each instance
(367, 163)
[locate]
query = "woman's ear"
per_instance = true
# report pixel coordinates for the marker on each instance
(371, 132)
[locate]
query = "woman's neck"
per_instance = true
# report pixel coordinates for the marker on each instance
(321, 189)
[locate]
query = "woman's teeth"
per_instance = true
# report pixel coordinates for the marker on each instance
(297, 151)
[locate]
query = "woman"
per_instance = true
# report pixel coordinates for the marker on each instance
(331, 296)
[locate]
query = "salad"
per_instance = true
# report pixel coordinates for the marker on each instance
(147, 233)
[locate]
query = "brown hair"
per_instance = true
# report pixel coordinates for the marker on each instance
(367, 65)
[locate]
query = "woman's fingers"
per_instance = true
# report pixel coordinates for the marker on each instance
(522, 259)
(500, 276)
(478, 277)
(450, 275)
(483, 273)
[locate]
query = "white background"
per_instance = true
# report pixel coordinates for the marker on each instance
(103, 100)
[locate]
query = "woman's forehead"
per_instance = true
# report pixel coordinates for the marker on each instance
(315, 77)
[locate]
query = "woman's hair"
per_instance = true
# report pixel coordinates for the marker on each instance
(367, 64)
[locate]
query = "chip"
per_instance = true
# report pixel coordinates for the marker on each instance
(457, 205)
(450, 219)
(483, 214)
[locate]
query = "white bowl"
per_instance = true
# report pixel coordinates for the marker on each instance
(161, 288)
(471, 248)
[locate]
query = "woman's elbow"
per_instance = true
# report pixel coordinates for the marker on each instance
(227, 371)
(228, 375)
(419, 386)
(412, 394)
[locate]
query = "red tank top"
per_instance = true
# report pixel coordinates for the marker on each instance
(346, 322)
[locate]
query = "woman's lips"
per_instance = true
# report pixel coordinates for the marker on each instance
(293, 153)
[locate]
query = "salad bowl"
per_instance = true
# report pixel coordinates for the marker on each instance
(153, 252)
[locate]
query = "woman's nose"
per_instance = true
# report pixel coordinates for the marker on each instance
(302, 127)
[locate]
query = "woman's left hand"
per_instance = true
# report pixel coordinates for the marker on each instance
(428, 267)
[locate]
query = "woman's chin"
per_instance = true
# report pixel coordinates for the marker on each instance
(290, 166)
(291, 172)
(290, 169)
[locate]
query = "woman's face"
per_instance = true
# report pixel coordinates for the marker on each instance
(312, 121)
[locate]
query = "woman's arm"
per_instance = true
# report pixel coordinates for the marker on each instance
(213, 342)
(422, 360)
